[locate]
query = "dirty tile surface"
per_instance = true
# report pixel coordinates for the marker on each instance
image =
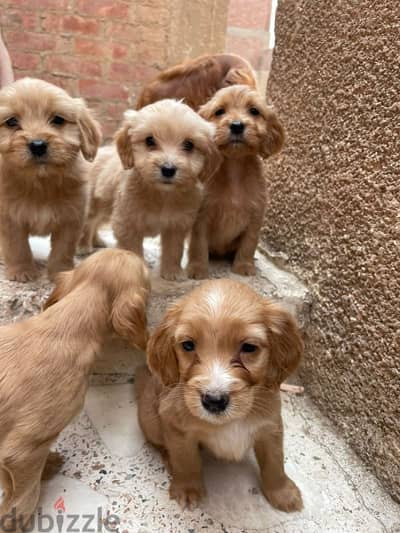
(113, 479)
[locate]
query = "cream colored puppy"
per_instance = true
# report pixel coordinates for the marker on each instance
(44, 133)
(152, 180)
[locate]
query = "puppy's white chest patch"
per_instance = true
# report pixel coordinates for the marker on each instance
(232, 441)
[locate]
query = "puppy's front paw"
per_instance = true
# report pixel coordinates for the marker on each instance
(22, 274)
(285, 498)
(187, 495)
(244, 269)
(197, 271)
(173, 274)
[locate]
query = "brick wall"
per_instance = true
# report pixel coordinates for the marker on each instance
(104, 50)
(249, 33)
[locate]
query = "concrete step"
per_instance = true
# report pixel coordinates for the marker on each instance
(109, 466)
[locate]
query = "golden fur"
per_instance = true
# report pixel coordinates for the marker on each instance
(235, 199)
(146, 202)
(196, 80)
(225, 342)
(41, 195)
(45, 363)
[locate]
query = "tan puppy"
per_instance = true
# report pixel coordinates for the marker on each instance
(197, 80)
(46, 361)
(169, 151)
(218, 358)
(42, 186)
(230, 221)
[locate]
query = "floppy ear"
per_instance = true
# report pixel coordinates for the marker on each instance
(239, 76)
(90, 134)
(206, 111)
(274, 136)
(128, 318)
(124, 146)
(212, 161)
(285, 346)
(161, 357)
(62, 288)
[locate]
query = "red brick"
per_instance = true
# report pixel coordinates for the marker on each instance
(129, 73)
(104, 8)
(98, 89)
(51, 23)
(241, 16)
(27, 21)
(41, 4)
(30, 41)
(120, 51)
(68, 84)
(89, 47)
(80, 24)
(121, 32)
(23, 60)
(72, 67)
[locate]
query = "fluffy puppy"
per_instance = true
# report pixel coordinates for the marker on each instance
(169, 151)
(235, 200)
(217, 359)
(196, 80)
(42, 186)
(46, 361)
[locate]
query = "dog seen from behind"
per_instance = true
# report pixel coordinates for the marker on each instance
(43, 132)
(196, 80)
(216, 362)
(45, 362)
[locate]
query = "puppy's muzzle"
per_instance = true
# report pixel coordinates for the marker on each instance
(215, 403)
(168, 170)
(38, 147)
(236, 127)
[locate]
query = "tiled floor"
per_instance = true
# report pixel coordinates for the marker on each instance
(109, 469)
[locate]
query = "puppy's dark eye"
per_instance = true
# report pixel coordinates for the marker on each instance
(150, 141)
(57, 120)
(254, 111)
(188, 145)
(188, 346)
(219, 112)
(248, 348)
(12, 122)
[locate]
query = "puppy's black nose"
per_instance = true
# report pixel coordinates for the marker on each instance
(168, 170)
(215, 403)
(237, 127)
(38, 147)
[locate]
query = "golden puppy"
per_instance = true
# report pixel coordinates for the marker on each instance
(169, 151)
(42, 186)
(218, 358)
(46, 361)
(233, 212)
(196, 80)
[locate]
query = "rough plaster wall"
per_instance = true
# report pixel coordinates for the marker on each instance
(335, 209)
